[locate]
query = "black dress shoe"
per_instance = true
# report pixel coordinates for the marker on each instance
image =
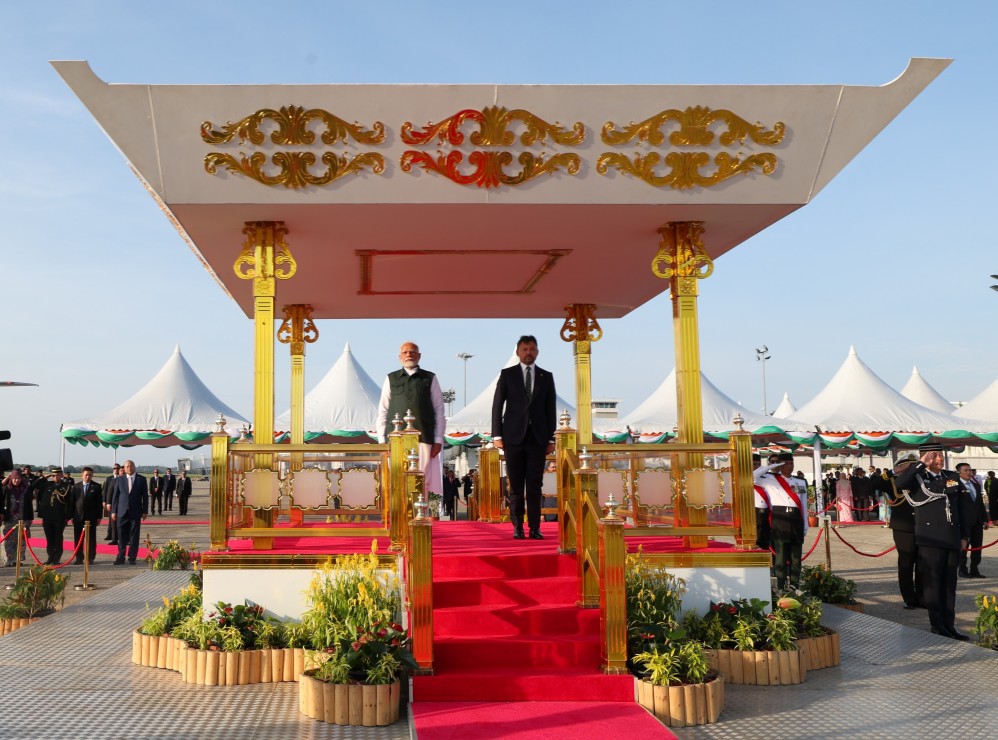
(963, 573)
(535, 534)
(78, 562)
(131, 562)
(114, 542)
(517, 533)
(977, 574)
(957, 635)
(119, 561)
(909, 607)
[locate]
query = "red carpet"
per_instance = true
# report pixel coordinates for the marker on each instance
(541, 719)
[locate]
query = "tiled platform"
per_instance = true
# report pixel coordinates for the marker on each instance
(70, 676)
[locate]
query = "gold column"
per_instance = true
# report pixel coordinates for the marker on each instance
(582, 329)
(217, 513)
(264, 259)
(743, 495)
(587, 535)
(490, 485)
(420, 566)
(565, 447)
(296, 330)
(397, 502)
(682, 260)
(612, 596)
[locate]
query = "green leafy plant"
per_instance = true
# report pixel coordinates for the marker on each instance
(986, 625)
(175, 609)
(171, 556)
(743, 624)
(821, 583)
(37, 592)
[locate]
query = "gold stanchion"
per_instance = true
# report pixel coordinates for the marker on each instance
(826, 521)
(86, 585)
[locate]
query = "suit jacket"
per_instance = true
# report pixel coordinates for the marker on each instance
(516, 421)
(183, 486)
(132, 505)
(932, 527)
(169, 483)
(108, 489)
(88, 502)
(972, 512)
(156, 485)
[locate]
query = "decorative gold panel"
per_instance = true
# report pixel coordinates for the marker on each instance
(252, 266)
(489, 166)
(694, 124)
(260, 489)
(359, 489)
(685, 167)
(309, 488)
(493, 122)
(581, 324)
(681, 253)
(297, 328)
(295, 167)
(292, 128)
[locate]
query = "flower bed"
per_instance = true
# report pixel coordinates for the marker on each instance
(12, 625)
(821, 651)
(365, 705)
(685, 705)
(760, 667)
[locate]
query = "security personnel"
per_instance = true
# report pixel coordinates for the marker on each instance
(788, 523)
(761, 504)
(940, 534)
(54, 495)
(902, 524)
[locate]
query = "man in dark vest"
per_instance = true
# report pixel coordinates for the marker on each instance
(417, 390)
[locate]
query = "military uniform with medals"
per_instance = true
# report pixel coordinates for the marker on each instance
(54, 507)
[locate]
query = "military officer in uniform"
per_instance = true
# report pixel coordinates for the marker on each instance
(788, 524)
(902, 524)
(54, 495)
(934, 494)
(761, 504)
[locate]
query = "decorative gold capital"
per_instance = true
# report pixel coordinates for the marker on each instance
(682, 255)
(297, 328)
(294, 168)
(264, 251)
(293, 128)
(493, 122)
(694, 124)
(489, 166)
(581, 324)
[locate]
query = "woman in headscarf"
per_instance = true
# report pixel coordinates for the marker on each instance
(16, 502)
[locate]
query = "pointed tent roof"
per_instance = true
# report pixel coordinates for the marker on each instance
(786, 407)
(857, 405)
(344, 404)
(658, 416)
(174, 408)
(918, 390)
(982, 406)
(475, 419)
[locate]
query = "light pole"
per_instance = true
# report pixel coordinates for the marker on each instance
(761, 356)
(449, 396)
(465, 356)
(994, 287)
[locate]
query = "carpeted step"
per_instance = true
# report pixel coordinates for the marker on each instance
(551, 720)
(504, 592)
(526, 565)
(508, 621)
(535, 652)
(491, 683)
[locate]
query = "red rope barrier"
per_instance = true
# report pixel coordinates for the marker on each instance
(982, 547)
(816, 541)
(9, 533)
(864, 554)
(72, 555)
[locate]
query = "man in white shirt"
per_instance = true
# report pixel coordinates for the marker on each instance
(788, 524)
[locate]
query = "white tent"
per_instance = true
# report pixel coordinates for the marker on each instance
(856, 406)
(475, 419)
(174, 408)
(982, 406)
(918, 390)
(786, 407)
(342, 406)
(657, 416)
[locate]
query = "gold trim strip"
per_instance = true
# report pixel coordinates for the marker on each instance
(716, 531)
(253, 561)
(710, 559)
(309, 532)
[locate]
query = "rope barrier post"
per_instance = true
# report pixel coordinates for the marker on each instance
(86, 585)
(826, 525)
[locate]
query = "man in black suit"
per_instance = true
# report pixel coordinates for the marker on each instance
(129, 506)
(108, 489)
(975, 518)
(902, 526)
(156, 491)
(523, 424)
(88, 505)
(939, 533)
(183, 491)
(169, 486)
(53, 494)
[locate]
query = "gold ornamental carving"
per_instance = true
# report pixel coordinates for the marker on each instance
(495, 126)
(293, 128)
(686, 169)
(581, 324)
(293, 169)
(682, 255)
(297, 328)
(253, 263)
(694, 124)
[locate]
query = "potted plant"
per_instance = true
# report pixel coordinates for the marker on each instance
(171, 556)
(749, 646)
(153, 643)
(674, 680)
(812, 507)
(38, 592)
(829, 588)
(986, 625)
(363, 651)
(819, 644)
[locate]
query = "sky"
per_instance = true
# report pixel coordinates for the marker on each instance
(893, 257)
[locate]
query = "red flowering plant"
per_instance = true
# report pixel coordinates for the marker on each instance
(742, 624)
(246, 626)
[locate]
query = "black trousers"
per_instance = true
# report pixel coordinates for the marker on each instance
(938, 569)
(77, 531)
(525, 471)
(976, 540)
(128, 535)
(156, 498)
(55, 530)
(112, 528)
(909, 576)
(787, 535)
(762, 528)
(169, 500)
(183, 504)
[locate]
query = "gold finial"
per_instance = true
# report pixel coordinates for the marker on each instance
(412, 460)
(611, 507)
(739, 421)
(565, 420)
(584, 459)
(409, 418)
(220, 423)
(421, 507)
(397, 422)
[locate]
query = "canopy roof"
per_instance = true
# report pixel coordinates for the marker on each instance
(174, 408)
(387, 191)
(786, 407)
(857, 406)
(343, 406)
(918, 390)
(982, 406)
(473, 423)
(656, 418)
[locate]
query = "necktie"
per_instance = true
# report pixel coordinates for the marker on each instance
(129, 484)
(972, 491)
(529, 385)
